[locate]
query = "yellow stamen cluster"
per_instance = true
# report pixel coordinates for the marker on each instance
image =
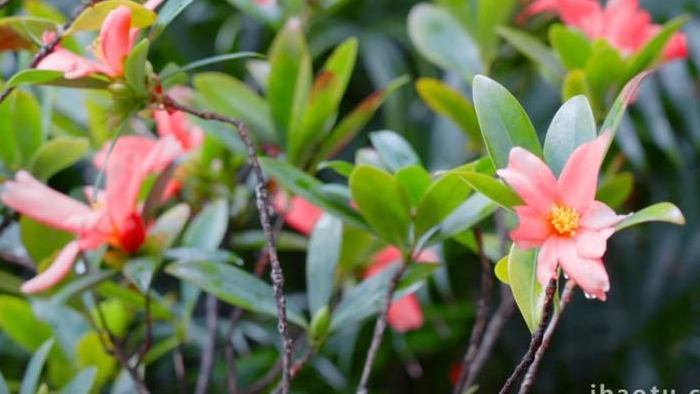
(564, 220)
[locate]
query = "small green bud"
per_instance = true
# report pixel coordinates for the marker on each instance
(320, 327)
(120, 90)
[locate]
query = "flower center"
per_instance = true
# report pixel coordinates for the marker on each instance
(564, 219)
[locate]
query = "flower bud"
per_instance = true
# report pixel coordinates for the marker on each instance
(320, 327)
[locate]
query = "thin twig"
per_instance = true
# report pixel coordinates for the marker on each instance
(207, 363)
(481, 316)
(264, 209)
(493, 331)
(536, 338)
(148, 340)
(50, 46)
(180, 371)
(531, 374)
(379, 328)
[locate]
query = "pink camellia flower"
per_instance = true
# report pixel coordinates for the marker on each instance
(622, 23)
(562, 217)
(113, 46)
(113, 219)
(299, 214)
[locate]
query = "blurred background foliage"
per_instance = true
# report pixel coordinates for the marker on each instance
(647, 333)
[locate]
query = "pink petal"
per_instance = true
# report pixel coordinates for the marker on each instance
(125, 145)
(58, 270)
(547, 261)
(299, 214)
(586, 15)
(177, 125)
(160, 156)
(124, 179)
(72, 65)
(427, 256)
(592, 244)
(115, 40)
(578, 181)
(599, 216)
(589, 274)
(406, 314)
(43, 204)
(533, 228)
(530, 177)
(382, 260)
(677, 47)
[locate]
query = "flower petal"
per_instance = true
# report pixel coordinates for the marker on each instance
(32, 198)
(599, 216)
(533, 228)
(58, 270)
(115, 40)
(299, 214)
(405, 314)
(129, 144)
(592, 244)
(589, 274)
(530, 177)
(578, 181)
(73, 66)
(547, 261)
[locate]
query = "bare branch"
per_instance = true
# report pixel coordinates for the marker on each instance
(207, 363)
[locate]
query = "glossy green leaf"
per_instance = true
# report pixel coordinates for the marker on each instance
(321, 261)
(168, 226)
(383, 203)
(290, 77)
(393, 149)
(93, 17)
(501, 270)
(135, 68)
(232, 285)
(441, 39)
(80, 285)
(547, 62)
(490, 15)
(18, 322)
(310, 188)
(23, 31)
(353, 123)
(492, 188)
(231, 97)
(167, 74)
(81, 383)
(208, 228)
(440, 200)
(448, 102)
(661, 212)
(415, 180)
(343, 168)
(33, 77)
(527, 291)
(572, 125)
(323, 102)
(470, 212)
(653, 50)
(68, 324)
(572, 46)
(605, 68)
(91, 354)
(58, 154)
(504, 123)
(21, 130)
(615, 189)
(167, 13)
(42, 241)
(255, 240)
(30, 380)
(140, 271)
(624, 99)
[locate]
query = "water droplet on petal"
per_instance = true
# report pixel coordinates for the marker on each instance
(589, 296)
(566, 276)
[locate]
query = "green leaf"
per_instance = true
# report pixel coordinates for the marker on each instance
(572, 46)
(653, 50)
(382, 202)
(393, 149)
(440, 200)
(311, 189)
(492, 188)
(504, 123)
(605, 69)
(168, 226)
(343, 168)
(33, 77)
(19, 323)
(135, 68)
(176, 71)
(527, 291)
(448, 102)
(615, 189)
(208, 228)
(290, 78)
(321, 261)
(30, 380)
(353, 123)
(472, 211)
(232, 285)
(231, 97)
(415, 180)
(81, 284)
(624, 99)
(90, 353)
(322, 106)
(41, 241)
(81, 383)
(23, 32)
(548, 64)
(93, 17)
(661, 212)
(575, 84)
(491, 14)
(140, 271)
(167, 13)
(255, 240)
(3, 385)
(21, 130)
(368, 297)
(501, 270)
(573, 124)
(58, 154)
(441, 39)
(9, 284)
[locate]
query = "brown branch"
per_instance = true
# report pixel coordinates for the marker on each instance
(536, 341)
(264, 209)
(379, 327)
(207, 362)
(49, 47)
(482, 315)
(180, 371)
(493, 331)
(531, 374)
